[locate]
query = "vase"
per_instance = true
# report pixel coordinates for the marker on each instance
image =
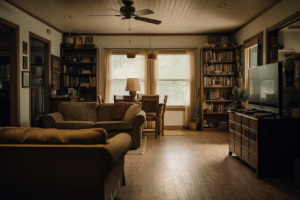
(192, 126)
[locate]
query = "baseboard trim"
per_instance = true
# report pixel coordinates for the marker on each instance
(174, 128)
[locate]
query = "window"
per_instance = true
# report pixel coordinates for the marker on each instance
(251, 60)
(172, 78)
(123, 68)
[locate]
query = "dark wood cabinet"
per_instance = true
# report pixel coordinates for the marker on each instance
(268, 145)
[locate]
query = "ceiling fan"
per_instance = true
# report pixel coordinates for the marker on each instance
(128, 11)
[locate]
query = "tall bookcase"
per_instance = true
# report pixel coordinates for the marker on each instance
(80, 73)
(218, 78)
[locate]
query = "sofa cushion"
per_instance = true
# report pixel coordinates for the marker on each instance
(78, 111)
(119, 110)
(74, 124)
(114, 125)
(105, 111)
(132, 112)
(17, 135)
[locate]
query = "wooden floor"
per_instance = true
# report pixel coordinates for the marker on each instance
(195, 166)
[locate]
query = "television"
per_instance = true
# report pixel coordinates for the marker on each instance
(266, 88)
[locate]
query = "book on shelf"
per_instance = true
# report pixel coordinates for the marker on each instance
(94, 81)
(66, 80)
(84, 84)
(213, 56)
(86, 71)
(91, 81)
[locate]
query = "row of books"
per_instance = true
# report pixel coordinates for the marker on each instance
(211, 107)
(224, 68)
(219, 80)
(219, 56)
(75, 81)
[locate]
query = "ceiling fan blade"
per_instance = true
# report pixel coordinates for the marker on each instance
(106, 15)
(119, 23)
(114, 10)
(143, 12)
(153, 21)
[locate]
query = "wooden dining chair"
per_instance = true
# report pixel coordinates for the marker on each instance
(162, 116)
(100, 99)
(150, 105)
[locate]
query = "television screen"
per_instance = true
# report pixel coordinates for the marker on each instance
(264, 87)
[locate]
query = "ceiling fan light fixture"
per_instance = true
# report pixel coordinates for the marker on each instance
(152, 56)
(131, 55)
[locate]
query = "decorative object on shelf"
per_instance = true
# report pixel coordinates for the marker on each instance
(239, 96)
(89, 40)
(25, 79)
(132, 85)
(289, 70)
(55, 63)
(25, 47)
(79, 58)
(74, 59)
(195, 120)
(25, 62)
(77, 42)
(52, 89)
(69, 41)
(224, 41)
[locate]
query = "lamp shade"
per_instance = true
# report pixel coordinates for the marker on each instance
(131, 55)
(152, 56)
(133, 84)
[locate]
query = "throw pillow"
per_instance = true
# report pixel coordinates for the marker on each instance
(131, 112)
(119, 110)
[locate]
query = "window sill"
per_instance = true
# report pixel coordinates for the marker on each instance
(175, 108)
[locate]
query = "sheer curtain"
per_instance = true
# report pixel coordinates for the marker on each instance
(126, 69)
(191, 92)
(108, 96)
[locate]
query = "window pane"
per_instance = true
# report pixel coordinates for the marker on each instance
(175, 91)
(123, 68)
(172, 66)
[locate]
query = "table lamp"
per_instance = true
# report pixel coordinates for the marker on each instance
(132, 86)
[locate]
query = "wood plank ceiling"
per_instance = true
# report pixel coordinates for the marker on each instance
(177, 16)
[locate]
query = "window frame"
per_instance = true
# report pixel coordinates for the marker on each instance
(172, 52)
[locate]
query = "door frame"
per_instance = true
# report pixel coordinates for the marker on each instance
(14, 72)
(47, 55)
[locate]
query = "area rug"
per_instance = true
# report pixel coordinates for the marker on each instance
(173, 132)
(141, 150)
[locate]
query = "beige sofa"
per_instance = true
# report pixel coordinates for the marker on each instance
(61, 164)
(83, 115)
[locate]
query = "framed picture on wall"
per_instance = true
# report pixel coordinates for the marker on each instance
(25, 62)
(55, 63)
(88, 40)
(55, 79)
(25, 79)
(25, 47)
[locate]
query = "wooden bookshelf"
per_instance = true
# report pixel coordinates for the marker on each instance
(218, 78)
(72, 71)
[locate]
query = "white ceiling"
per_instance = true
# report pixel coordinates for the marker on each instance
(177, 16)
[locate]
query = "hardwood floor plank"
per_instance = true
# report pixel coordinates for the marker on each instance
(196, 165)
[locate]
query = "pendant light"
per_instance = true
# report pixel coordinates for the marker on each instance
(130, 55)
(152, 56)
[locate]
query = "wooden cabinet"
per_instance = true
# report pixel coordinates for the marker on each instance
(79, 71)
(268, 145)
(218, 77)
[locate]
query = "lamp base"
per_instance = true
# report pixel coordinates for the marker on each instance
(132, 94)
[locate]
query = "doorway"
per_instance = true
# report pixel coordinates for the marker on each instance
(9, 74)
(39, 60)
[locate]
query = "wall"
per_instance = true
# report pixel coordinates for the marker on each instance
(27, 23)
(173, 118)
(276, 14)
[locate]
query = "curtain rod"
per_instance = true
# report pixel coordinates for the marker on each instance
(154, 48)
